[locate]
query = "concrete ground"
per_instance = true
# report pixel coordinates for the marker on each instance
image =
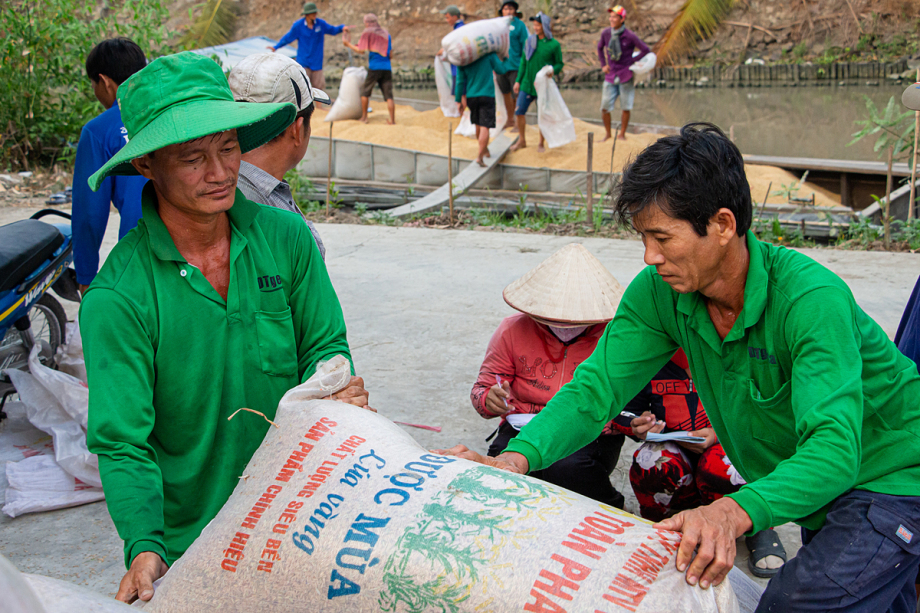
(420, 306)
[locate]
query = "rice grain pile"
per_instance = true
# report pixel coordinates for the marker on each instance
(427, 132)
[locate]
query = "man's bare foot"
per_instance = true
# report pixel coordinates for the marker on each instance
(606, 138)
(510, 124)
(364, 120)
(391, 123)
(621, 136)
(488, 154)
(514, 130)
(518, 145)
(480, 162)
(541, 149)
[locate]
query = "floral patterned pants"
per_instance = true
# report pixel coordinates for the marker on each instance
(667, 478)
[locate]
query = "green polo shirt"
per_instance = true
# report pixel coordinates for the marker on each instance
(548, 52)
(169, 361)
(807, 394)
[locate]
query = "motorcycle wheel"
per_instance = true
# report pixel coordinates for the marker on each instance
(47, 319)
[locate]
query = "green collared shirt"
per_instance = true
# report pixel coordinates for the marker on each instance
(169, 361)
(807, 394)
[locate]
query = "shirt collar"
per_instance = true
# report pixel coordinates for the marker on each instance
(262, 181)
(755, 299)
(241, 215)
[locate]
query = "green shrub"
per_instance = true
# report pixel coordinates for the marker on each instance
(45, 95)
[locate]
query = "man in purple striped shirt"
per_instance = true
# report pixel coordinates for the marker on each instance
(615, 52)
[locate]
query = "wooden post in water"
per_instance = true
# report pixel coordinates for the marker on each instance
(590, 190)
(450, 173)
(913, 173)
(888, 199)
(329, 172)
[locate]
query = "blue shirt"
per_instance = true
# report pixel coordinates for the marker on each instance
(376, 61)
(310, 41)
(453, 69)
(101, 138)
(908, 337)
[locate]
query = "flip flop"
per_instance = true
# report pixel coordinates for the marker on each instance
(764, 543)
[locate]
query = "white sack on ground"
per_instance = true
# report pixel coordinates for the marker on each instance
(71, 393)
(553, 116)
(645, 65)
(466, 127)
(39, 484)
(70, 355)
(17, 595)
(347, 104)
(46, 413)
(468, 43)
(444, 81)
(19, 439)
(62, 597)
(341, 510)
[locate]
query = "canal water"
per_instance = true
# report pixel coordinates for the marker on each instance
(813, 122)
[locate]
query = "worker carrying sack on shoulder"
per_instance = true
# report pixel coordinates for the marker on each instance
(347, 104)
(468, 43)
(553, 116)
(341, 510)
(466, 127)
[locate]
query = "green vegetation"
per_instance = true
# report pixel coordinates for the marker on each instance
(45, 95)
(696, 20)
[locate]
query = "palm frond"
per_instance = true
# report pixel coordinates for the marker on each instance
(213, 25)
(696, 20)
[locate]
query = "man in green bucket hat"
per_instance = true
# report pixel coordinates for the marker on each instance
(213, 303)
(310, 32)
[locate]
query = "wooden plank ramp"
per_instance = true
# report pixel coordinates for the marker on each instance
(462, 182)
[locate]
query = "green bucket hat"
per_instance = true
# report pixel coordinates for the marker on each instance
(178, 98)
(309, 8)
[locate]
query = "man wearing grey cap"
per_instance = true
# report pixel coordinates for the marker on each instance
(266, 77)
(455, 20)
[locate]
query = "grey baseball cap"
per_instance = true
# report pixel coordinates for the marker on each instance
(272, 77)
(451, 10)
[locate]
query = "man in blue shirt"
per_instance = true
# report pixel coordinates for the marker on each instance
(310, 32)
(454, 19)
(108, 64)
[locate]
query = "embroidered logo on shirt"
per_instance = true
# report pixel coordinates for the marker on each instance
(904, 534)
(761, 354)
(270, 283)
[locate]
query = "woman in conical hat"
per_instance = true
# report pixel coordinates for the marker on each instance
(565, 303)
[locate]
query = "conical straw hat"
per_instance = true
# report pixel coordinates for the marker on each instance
(570, 287)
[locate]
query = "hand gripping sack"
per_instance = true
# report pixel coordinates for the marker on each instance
(445, 83)
(466, 127)
(553, 116)
(468, 43)
(340, 510)
(645, 65)
(347, 104)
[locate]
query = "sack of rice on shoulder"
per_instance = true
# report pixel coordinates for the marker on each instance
(340, 510)
(468, 43)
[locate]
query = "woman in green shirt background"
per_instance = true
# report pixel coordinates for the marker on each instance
(540, 50)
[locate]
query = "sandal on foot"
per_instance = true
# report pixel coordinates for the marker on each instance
(764, 543)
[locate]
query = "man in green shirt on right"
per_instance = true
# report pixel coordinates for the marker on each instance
(813, 404)
(540, 50)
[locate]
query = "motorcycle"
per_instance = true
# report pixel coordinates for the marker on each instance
(35, 256)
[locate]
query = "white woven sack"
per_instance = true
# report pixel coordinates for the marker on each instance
(645, 65)
(553, 116)
(347, 104)
(468, 43)
(340, 510)
(444, 81)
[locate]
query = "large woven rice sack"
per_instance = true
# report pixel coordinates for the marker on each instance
(340, 510)
(468, 43)
(347, 104)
